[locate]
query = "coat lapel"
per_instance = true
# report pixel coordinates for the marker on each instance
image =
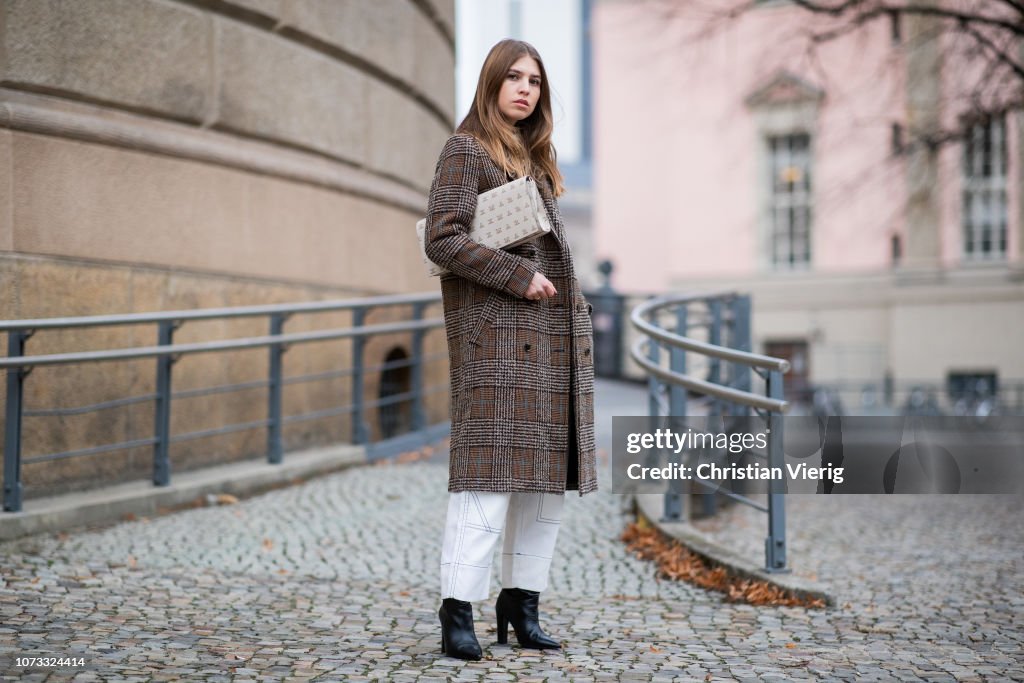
(547, 195)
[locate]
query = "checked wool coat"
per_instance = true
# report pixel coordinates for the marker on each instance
(522, 374)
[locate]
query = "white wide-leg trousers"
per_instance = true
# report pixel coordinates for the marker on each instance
(476, 519)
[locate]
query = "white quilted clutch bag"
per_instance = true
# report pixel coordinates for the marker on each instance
(505, 216)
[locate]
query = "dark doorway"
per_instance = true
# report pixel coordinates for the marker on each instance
(395, 417)
(797, 381)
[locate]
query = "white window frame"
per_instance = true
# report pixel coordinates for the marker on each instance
(984, 199)
(790, 244)
(796, 118)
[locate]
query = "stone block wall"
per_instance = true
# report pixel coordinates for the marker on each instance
(163, 155)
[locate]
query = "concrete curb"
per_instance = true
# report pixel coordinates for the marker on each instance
(111, 504)
(650, 506)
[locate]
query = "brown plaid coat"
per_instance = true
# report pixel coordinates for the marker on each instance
(522, 374)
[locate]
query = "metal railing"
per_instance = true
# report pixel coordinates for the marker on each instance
(724, 319)
(166, 353)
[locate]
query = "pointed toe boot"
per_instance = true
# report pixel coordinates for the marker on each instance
(520, 607)
(458, 639)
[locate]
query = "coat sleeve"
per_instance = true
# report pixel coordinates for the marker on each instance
(450, 211)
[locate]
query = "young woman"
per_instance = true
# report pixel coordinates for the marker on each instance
(519, 343)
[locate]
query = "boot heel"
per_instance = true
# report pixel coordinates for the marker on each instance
(442, 646)
(502, 629)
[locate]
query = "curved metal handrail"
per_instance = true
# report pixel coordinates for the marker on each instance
(755, 360)
(768, 367)
(704, 387)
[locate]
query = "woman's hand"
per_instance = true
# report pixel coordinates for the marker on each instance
(540, 288)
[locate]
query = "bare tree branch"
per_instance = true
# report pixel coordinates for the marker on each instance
(986, 40)
(978, 27)
(999, 54)
(1019, 6)
(1017, 28)
(844, 29)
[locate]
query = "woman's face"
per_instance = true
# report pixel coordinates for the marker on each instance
(521, 89)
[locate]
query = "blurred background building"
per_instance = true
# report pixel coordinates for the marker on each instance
(167, 155)
(862, 179)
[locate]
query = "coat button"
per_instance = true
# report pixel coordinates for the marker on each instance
(526, 347)
(586, 352)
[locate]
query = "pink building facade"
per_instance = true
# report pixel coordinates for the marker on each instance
(728, 155)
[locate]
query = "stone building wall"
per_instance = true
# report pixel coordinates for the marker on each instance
(165, 155)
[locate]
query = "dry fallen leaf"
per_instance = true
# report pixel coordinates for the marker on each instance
(790, 645)
(268, 545)
(677, 562)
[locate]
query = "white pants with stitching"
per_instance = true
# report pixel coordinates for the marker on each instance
(475, 519)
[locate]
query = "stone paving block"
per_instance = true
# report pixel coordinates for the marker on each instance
(185, 605)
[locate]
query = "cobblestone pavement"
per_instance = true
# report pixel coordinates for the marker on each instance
(336, 580)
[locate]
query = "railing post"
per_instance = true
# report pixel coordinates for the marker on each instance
(715, 337)
(275, 449)
(677, 361)
(161, 449)
(359, 430)
(775, 543)
(654, 354)
(653, 406)
(677, 407)
(710, 500)
(740, 373)
(419, 416)
(742, 340)
(12, 436)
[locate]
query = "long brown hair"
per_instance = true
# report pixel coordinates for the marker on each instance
(522, 149)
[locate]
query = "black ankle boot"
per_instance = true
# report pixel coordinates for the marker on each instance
(458, 639)
(520, 607)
